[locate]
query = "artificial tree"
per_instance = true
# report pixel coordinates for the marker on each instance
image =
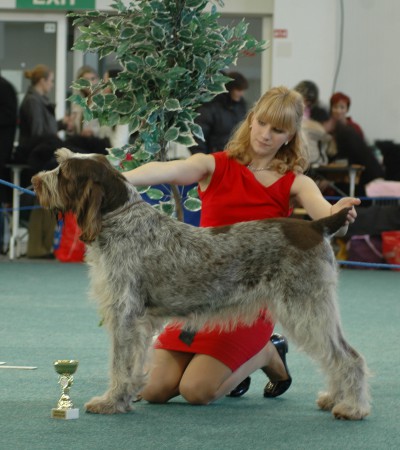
(171, 53)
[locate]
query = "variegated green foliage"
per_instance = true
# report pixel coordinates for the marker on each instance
(172, 53)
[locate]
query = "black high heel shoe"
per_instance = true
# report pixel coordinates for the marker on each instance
(241, 388)
(277, 388)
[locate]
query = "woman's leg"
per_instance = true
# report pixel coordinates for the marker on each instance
(203, 379)
(167, 368)
(206, 379)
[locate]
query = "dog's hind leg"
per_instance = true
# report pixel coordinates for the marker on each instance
(348, 395)
(314, 325)
(130, 343)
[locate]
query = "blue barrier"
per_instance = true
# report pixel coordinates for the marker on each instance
(11, 185)
(370, 265)
(340, 262)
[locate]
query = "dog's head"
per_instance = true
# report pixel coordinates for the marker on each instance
(85, 184)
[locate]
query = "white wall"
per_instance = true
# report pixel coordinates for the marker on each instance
(371, 65)
(309, 51)
(370, 68)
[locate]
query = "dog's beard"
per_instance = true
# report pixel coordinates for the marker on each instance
(47, 193)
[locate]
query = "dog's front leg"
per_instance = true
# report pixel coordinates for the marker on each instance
(130, 343)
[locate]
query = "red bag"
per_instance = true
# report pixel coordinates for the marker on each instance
(391, 247)
(67, 245)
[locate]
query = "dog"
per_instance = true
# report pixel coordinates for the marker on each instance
(146, 267)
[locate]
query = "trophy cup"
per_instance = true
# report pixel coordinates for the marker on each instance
(65, 409)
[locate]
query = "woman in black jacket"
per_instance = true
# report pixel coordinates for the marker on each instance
(38, 127)
(37, 119)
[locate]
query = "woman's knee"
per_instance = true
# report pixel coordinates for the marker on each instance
(157, 394)
(197, 392)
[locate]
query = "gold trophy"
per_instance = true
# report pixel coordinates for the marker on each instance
(65, 409)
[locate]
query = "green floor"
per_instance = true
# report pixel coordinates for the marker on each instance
(45, 315)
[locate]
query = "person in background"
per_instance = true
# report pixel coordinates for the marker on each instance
(316, 137)
(38, 140)
(119, 135)
(8, 127)
(340, 105)
(37, 119)
(310, 93)
(219, 117)
(87, 135)
(318, 141)
(259, 176)
(352, 147)
(348, 145)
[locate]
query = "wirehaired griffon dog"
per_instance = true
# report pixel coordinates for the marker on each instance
(147, 267)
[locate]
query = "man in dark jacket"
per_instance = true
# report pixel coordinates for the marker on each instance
(219, 117)
(8, 125)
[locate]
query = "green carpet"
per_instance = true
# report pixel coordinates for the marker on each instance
(45, 315)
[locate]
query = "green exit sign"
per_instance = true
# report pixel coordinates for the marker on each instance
(56, 4)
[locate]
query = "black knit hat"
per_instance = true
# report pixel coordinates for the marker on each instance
(238, 82)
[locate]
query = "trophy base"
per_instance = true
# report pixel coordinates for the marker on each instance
(65, 414)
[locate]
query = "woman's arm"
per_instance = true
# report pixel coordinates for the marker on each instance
(310, 197)
(197, 168)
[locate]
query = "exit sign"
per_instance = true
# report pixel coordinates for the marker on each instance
(56, 4)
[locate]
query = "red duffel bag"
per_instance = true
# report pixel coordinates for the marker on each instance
(391, 247)
(67, 245)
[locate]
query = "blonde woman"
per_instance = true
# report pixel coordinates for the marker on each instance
(259, 176)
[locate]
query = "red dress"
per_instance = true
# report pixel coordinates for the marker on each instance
(233, 195)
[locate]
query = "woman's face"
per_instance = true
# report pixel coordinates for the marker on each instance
(266, 140)
(339, 110)
(47, 84)
(92, 78)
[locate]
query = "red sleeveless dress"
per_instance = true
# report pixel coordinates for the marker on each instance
(233, 195)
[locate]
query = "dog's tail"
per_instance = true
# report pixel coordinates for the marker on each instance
(331, 224)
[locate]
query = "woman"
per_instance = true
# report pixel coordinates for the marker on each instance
(259, 176)
(87, 135)
(340, 105)
(37, 114)
(37, 142)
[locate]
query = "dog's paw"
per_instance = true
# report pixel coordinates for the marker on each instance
(105, 405)
(345, 411)
(325, 401)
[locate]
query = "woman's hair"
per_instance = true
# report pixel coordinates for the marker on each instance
(339, 96)
(310, 92)
(281, 108)
(37, 73)
(84, 70)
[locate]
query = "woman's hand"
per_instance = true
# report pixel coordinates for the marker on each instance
(347, 202)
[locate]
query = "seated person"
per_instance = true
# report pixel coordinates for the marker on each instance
(350, 146)
(340, 105)
(317, 138)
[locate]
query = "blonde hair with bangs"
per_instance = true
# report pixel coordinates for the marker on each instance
(282, 108)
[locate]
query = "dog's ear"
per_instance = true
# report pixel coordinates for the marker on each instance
(88, 211)
(62, 154)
